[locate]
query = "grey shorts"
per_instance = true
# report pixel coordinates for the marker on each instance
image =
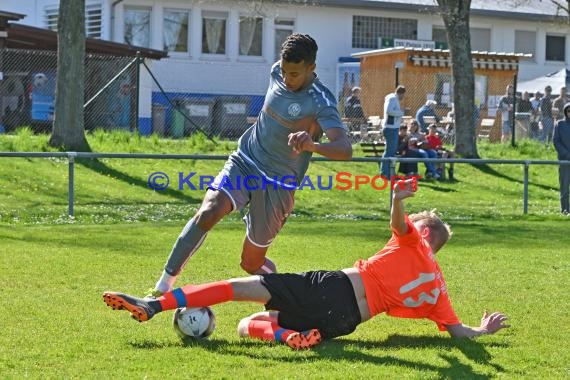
(506, 127)
(269, 204)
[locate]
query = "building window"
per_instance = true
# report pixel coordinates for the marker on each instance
(92, 19)
(175, 30)
(283, 29)
(214, 32)
(250, 35)
(480, 39)
(525, 42)
(366, 30)
(137, 26)
(439, 34)
(50, 18)
(555, 48)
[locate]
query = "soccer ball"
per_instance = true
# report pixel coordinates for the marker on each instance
(194, 323)
(40, 80)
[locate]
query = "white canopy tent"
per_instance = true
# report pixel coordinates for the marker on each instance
(554, 80)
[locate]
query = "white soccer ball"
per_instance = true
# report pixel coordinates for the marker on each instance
(40, 80)
(194, 323)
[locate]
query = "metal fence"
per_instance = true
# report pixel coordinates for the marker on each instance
(72, 156)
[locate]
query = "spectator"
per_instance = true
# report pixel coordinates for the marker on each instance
(506, 107)
(391, 123)
(524, 105)
(559, 103)
(535, 118)
(435, 142)
(352, 107)
(561, 140)
(546, 115)
(408, 168)
(417, 140)
(427, 109)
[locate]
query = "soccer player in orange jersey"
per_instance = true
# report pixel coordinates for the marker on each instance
(403, 280)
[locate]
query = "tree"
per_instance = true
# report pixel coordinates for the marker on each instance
(455, 15)
(68, 126)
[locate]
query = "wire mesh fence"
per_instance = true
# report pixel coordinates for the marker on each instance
(28, 86)
(113, 92)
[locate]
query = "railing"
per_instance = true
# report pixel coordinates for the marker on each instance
(71, 156)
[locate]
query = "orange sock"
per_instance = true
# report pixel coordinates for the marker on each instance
(197, 295)
(266, 330)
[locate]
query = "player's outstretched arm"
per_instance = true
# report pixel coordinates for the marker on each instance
(490, 324)
(402, 190)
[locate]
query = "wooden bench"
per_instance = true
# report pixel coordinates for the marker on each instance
(485, 129)
(370, 130)
(429, 120)
(373, 149)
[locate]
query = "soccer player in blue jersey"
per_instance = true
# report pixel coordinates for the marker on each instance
(272, 155)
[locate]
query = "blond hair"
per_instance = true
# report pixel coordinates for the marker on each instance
(439, 231)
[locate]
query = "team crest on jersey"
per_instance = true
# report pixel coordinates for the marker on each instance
(294, 109)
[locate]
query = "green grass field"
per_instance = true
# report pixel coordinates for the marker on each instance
(54, 270)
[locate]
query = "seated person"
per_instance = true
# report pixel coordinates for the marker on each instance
(408, 168)
(427, 109)
(418, 141)
(435, 142)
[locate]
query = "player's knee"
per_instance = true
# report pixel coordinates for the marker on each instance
(208, 215)
(243, 327)
(251, 265)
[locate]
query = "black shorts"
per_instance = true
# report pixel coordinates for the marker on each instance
(321, 299)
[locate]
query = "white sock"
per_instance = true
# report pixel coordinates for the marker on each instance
(165, 283)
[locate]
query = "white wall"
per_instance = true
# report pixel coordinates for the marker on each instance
(331, 27)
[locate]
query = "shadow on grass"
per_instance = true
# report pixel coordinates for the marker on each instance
(354, 350)
(103, 169)
(490, 171)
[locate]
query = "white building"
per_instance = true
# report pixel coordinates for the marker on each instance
(228, 46)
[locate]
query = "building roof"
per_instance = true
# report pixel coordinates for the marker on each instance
(490, 54)
(19, 36)
(524, 10)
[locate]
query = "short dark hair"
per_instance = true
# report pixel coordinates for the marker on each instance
(400, 90)
(299, 47)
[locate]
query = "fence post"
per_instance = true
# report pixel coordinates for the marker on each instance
(71, 179)
(512, 115)
(391, 179)
(525, 188)
(140, 60)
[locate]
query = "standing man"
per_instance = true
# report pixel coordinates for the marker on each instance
(506, 107)
(559, 104)
(535, 120)
(561, 140)
(546, 115)
(298, 108)
(390, 125)
(353, 107)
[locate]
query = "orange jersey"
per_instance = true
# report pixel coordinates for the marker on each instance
(404, 280)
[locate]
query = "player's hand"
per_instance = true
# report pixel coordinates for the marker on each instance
(301, 141)
(491, 323)
(405, 189)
